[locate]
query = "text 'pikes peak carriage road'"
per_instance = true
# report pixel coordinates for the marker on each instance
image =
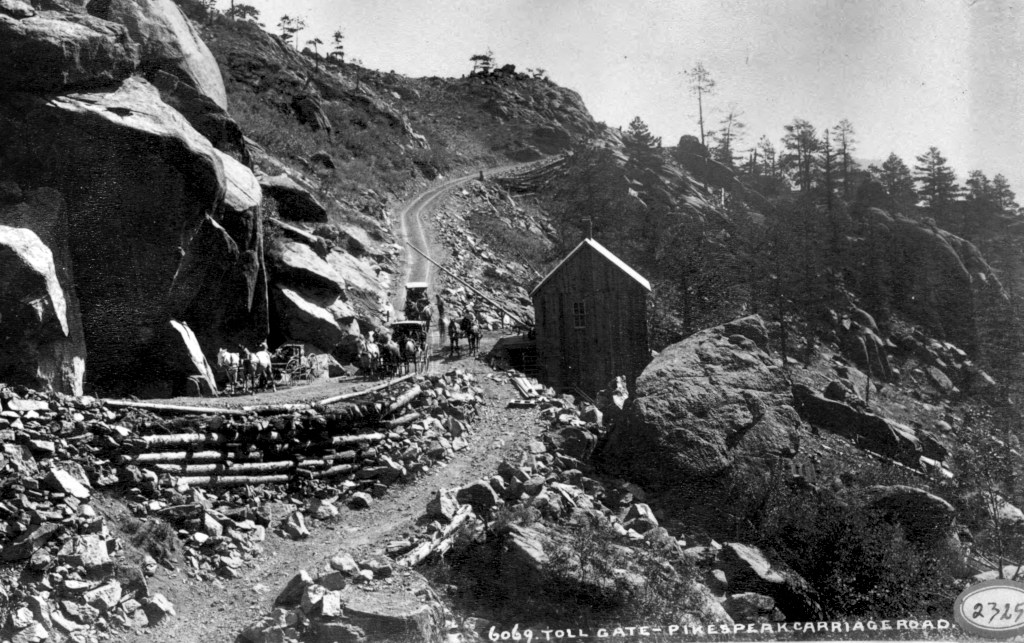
(298, 350)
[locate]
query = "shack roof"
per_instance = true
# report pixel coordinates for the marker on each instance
(417, 284)
(607, 254)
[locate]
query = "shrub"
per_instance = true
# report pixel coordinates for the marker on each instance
(860, 564)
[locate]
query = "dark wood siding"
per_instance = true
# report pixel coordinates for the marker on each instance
(614, 339)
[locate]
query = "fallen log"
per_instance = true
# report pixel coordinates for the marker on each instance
(276, 409)
(178, 439)
(357, 439)
(232, 481)
(425, 549)
(408, 418)
(186, 456)
(171, 408)
(236, 469)
(344, 456)
(354, 394)
(403, 400)
(336, 470)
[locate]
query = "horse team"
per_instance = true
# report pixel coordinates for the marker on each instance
(253, 367)
(467, 327)
(386, 356)
(383, 356)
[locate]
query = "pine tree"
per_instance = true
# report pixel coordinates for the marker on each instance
(701, 84)
(898, 181)
(937, 183)
(290, 27)
(769, 162)
(844, 142)
(316, 51)
(338, 50)
(642, 147)
(827, 161)
(483, 63)
(801, 142)
(243, 11)
(1004, 196)
(730, 133)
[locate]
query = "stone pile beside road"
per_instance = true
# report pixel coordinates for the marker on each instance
(194, 490)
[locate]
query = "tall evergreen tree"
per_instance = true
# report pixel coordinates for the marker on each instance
(827, 157)
(844, 142)
(898, 181)
(642, 147)
(769, 159)
(730, 133)
(800, 142)
(937, 185)
(338, 46)
(1004, 196)
(701, 84)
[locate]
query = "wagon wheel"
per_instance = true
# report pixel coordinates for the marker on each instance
(294, 368)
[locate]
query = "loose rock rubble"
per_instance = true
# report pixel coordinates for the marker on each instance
(68, 575)
(349, 600)
(471, 257)
(201, 485)
(555, 482)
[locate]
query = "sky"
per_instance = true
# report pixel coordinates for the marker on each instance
(908, 74)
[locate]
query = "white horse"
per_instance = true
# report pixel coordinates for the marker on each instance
(229, 363)
(258, 369)
(369, 355)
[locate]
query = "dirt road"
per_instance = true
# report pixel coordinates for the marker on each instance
(209, 613)
(216, 612)
(413, 228)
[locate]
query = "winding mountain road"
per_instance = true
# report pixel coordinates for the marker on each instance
(413, 229)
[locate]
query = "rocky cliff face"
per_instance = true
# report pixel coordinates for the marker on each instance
(154, 223)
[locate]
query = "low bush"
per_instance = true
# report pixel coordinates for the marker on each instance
(861, 564)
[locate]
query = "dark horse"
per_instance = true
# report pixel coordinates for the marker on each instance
(471, 329)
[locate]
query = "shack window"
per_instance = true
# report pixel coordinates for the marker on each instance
(579, 315)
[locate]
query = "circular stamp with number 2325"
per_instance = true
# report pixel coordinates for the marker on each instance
(992, 609)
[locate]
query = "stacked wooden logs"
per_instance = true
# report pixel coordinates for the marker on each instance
(364, 441)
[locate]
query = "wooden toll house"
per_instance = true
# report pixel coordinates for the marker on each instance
(591, 321)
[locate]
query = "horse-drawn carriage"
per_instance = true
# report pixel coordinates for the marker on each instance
(411, 337)
(292, 364)
(416, 299)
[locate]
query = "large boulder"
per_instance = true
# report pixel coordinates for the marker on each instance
(925, 517)
(704, 404)
(294, 201)
(300, 317)
(365, 283)
(296, 263)
(168, 42)
(52, 51)
(144, 209)
(43, 212)
(394, 613)
(868, 430)
(203, 113)
(39, 348)
(747, 570)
